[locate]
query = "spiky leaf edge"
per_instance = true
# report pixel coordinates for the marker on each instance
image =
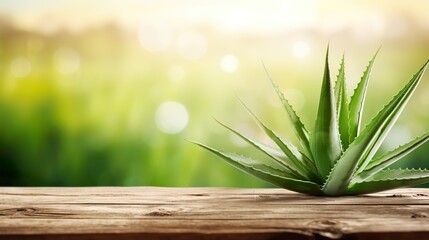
(300, 131)
(389, 179)
(296, 185)
(279, 157)
(379, 163)
(365, 145)
(342, 105)
(299, 160)
(358, 99)
(325, 143)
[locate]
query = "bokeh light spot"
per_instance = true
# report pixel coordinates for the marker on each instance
(171, 117)
(301, 49)
(229, 63)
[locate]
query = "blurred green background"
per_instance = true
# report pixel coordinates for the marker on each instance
(106, 92)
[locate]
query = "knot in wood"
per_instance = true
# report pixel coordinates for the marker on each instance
(419, 215)
(397, 195)
(160, 213)
(198, 195)
(20, 210)
(327, 229)
(420, 195)
(25, 210)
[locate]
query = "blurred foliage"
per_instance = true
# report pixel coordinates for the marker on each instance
(79, 108)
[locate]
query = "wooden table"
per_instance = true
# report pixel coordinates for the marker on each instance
(208, 213)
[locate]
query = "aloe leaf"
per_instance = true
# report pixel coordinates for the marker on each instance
(270, 151)
(266, 173)
(388, 116)
(385, 160)
(298, 160)
(342, 106)
(357, 100)
(338, 83)
(278, 156)
(389, 174)
(363, 148)
(325, 143)
(390, 179)
(298, 127)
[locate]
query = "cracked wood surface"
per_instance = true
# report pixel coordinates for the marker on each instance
(208, 213)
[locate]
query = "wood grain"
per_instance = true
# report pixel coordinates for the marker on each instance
(208, 213)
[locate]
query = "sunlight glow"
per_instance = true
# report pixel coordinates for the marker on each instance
(233, 20)
(171, 117)
(229, 63)
(301, 49)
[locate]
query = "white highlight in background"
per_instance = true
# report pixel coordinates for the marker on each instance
(171, 117)
(229, 63)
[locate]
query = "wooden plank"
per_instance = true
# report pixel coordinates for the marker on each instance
(208, 213)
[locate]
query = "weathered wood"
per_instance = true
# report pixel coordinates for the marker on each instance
(208, 213)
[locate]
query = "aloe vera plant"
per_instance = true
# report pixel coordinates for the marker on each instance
(338, 157)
